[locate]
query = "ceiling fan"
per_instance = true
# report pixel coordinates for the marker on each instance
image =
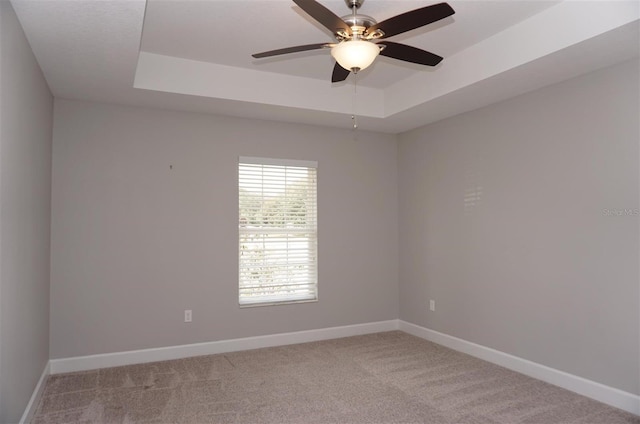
(357, 36)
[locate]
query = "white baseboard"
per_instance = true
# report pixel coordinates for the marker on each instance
(600, 392)
(30, 410)
(606, 394)
(82, 363)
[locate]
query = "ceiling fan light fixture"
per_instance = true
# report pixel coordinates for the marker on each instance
(355, 55)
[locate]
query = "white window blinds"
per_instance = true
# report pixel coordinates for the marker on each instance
(278, 231)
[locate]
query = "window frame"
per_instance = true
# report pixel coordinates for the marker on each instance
(311, 264)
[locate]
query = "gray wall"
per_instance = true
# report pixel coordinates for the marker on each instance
(509, 220)
(512, 218)
(135, 243)
(26, 117)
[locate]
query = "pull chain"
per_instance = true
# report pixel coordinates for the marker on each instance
(354, 117)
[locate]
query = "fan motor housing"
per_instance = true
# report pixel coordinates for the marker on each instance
(359, 24)
(359, 20)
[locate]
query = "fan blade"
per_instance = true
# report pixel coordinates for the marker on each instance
(412, 20)
(291, 50)
(339, 73)
(409, 54)
(327, 18)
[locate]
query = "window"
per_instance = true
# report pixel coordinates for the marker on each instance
(278, 231)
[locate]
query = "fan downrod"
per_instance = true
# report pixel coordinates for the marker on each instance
(354, 3)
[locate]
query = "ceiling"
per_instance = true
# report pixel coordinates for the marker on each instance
(196, 56)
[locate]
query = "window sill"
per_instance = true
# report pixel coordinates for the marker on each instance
(285, 302)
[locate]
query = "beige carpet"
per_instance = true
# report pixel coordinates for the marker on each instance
(380, 378)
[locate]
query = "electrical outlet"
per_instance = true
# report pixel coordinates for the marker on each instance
(432, 305)
(188, 315)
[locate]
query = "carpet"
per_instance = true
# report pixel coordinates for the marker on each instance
(389, 377)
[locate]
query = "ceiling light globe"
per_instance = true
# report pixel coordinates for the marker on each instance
(355, 54)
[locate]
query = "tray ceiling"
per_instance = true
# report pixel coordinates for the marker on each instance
(196, 56)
